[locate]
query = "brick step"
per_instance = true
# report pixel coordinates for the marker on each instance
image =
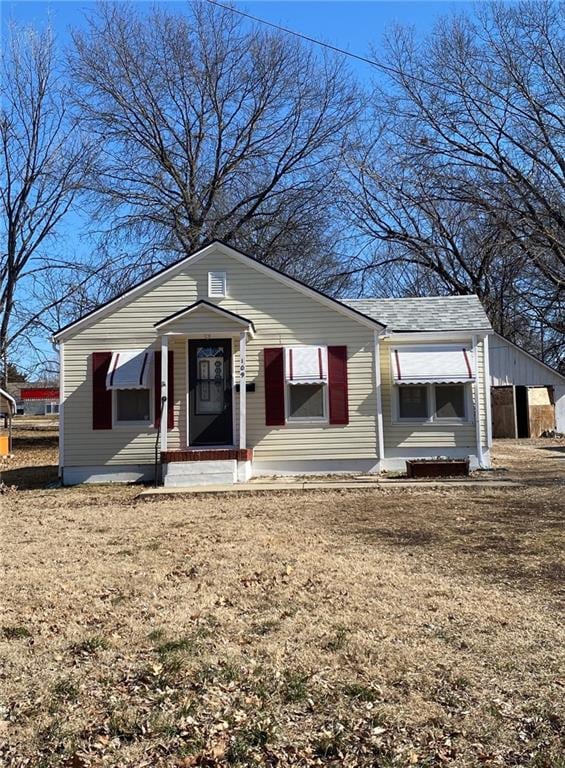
(207, 454)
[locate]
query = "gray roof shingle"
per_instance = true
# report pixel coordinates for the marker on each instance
(433, 313)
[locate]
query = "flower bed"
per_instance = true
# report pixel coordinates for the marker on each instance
(437, 468)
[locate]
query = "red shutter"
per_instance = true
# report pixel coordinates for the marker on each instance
(157, 390)
(101, 397)
(274, 386)
(337, 380)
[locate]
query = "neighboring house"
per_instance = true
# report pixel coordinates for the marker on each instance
(220, 367)
(528, 397)
(36, 398)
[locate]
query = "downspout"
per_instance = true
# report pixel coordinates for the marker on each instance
(378, 394)
(480, 455)
(157, 441)
(488, 409)
(61, 410)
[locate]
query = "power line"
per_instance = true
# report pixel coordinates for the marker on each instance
(302, 36)
(334, 48)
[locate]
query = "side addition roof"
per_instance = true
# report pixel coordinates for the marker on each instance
(434, 313)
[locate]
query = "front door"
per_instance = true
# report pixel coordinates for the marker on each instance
(210, 392)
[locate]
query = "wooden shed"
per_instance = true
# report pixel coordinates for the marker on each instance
(528, 397)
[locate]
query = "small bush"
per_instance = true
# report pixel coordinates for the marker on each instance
(15, 633)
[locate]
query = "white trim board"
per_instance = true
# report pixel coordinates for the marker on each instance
(214, 247)
(430, 336)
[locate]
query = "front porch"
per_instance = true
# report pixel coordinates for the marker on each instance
(210, 444)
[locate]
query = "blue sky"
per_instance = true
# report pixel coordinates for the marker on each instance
(352, 25)
(355, 26)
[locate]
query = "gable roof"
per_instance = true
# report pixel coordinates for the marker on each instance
(214, 246)
(206, 306)
(433, 313)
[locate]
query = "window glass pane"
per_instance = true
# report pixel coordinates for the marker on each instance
(450, 401)
(306, 401)
(210, 385)
(412, 402)
(132, 404)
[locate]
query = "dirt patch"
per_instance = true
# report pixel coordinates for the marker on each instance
(368, 628)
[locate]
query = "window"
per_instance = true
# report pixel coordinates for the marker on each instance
(51, 409)
(210, 391)
(306, 377)
(133, 406)
(433, 402)
(306, 401)
(450, 401)
(413, 402)
(216, 284)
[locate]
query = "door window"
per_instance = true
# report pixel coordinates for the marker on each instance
(210, 392)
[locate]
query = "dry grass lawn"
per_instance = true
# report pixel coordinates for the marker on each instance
(396, 627)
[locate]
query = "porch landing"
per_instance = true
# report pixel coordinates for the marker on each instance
(207, 454)
(193, 467)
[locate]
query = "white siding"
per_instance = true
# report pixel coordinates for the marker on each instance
(510, 365)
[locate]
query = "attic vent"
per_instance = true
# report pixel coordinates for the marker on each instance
(216, 284)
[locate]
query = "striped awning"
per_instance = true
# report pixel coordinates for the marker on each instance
(129, 369)
(422, 365)
(306, 365)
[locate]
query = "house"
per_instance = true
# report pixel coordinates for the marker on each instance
(220, 367)
(39, 399)
(528, 397)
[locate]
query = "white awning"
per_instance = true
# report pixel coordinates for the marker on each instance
(442, 365)
(306, 365)
(130, 369)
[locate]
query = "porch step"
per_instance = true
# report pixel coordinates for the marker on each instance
(179, 474)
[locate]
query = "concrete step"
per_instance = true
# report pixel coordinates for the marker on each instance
(200, 467)
(195, 481)
(180, 474)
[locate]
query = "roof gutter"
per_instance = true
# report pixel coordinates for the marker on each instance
(434, 335)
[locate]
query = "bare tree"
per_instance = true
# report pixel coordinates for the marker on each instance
(466, 181)
(42, 162)
(211, 129)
